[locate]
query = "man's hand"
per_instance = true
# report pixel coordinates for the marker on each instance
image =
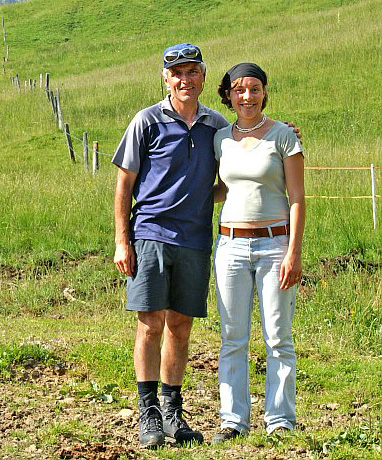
(124, 259)
(295, 129)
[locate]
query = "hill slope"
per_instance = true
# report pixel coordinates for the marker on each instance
(322, 56)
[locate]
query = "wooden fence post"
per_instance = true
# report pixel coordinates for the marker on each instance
(95, 157)
(86, 151)
(59, 112)
(53, 103)
(374, 197)
(69, 142)
(47, 82)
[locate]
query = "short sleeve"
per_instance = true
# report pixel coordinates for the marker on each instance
(128, 153)
(289, 143)
(217, 146)
(219, 137)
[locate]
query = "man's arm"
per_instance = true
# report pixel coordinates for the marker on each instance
(219, 190)
(124, 257)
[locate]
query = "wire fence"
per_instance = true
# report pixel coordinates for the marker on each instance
(75, 156)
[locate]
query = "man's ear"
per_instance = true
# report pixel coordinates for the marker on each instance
(165, 79)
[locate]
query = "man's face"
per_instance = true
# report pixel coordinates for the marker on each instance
(185, 81)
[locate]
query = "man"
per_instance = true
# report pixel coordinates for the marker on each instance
(166, 161)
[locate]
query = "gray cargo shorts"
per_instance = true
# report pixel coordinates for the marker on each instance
(169, 276)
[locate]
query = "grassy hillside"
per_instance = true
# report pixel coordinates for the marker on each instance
(322, 59)
(59, 290)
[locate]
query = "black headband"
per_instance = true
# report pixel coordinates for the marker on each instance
(246, 69)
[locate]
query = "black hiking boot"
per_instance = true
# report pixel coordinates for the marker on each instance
(151, 425)
(174, 425)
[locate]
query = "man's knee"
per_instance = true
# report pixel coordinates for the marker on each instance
(150, 324)
(178, 325)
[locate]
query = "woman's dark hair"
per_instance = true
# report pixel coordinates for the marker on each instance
(237, 72)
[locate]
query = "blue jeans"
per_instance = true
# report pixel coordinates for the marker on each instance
(240, 263)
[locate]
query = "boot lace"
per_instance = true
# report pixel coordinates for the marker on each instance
(176, 418)
(151, 418)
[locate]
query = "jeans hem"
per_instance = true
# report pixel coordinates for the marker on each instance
(235, 426)
(271, 428)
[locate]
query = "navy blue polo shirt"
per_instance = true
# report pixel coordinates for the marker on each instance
(176, 171)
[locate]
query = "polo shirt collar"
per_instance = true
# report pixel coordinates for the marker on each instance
(168, 109)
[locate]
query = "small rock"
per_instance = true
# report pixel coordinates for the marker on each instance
(31, 448)
(60, 370)
(36, 374)
(333, 406)
(68, 294)
(125, 413)
(364, 407)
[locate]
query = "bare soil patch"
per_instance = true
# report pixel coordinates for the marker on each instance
(41, 418)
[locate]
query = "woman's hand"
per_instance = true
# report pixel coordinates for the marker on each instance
(290, 271)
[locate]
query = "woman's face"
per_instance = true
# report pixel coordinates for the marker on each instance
(247, 95)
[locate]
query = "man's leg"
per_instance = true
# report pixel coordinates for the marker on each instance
(175, 347)
(147, 354)
(147, 368)
(173, 364)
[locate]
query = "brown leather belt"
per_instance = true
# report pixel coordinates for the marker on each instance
(269, 232)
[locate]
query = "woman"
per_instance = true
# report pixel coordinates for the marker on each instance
(260, 241)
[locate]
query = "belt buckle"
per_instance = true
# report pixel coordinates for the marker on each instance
(270, 232)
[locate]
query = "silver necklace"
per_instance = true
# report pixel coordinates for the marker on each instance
(248, 130)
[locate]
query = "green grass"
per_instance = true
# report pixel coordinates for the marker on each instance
(13, 357)
(60, 295)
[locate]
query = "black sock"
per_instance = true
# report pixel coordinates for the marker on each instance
(168, 389)
(144, 388)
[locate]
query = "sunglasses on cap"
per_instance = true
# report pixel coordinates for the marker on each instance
(187, 53)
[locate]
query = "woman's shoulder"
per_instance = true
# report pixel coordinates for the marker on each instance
(280, 126)
(280, 130)
(285, 138)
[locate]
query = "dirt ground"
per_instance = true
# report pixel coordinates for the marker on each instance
(41, 419)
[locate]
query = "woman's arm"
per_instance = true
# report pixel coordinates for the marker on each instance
(291, 267)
